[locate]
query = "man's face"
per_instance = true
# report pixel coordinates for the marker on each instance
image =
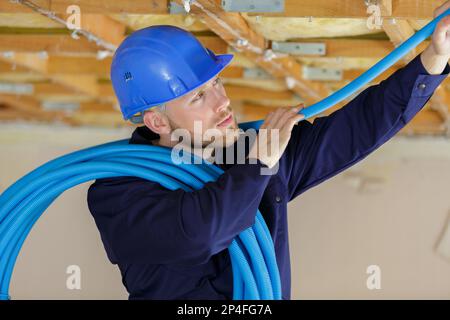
(207, 106)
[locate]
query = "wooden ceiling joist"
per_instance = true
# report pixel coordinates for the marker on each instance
(62, 45)
(51, 43)
(402, 9)
(86, 84)
(399, 31)
(406, 9)
(89, 6)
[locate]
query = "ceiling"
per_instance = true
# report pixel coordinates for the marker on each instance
(51, 74)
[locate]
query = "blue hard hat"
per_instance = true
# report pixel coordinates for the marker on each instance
(160, 63)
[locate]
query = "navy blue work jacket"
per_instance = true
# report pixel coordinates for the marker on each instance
(173, 244)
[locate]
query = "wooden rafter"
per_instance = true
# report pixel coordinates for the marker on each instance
(89, 6)
(399, 31)
(403, 9)
(407, 9)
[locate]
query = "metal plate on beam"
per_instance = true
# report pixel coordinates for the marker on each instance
(60, 106)
(300, 48)
(16, 88)
(256, 73)
(322, 74)
(175, 8)
(253, 5)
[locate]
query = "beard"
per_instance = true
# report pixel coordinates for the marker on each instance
(229, 137)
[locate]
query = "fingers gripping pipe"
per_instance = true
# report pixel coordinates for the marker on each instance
(255, 270)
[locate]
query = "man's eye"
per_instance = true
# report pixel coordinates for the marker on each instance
(198, 97)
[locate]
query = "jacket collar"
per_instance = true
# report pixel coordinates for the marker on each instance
(143, 135)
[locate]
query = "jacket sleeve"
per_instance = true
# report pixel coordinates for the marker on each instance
(319, 150)
(142, 222)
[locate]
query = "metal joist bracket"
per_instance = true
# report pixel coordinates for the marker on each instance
(16, 88)
(175, 8)
(60, 106)
(300, 48)
(256, 73)
(322, 74)
(253, 5)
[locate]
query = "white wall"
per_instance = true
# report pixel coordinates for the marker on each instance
(395, 221)
(66, 233)
(389, 210)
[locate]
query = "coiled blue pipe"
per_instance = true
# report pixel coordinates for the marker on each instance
(23, 203)
(255, 272)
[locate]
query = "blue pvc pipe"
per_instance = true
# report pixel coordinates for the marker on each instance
(39, 182)
(364, 78)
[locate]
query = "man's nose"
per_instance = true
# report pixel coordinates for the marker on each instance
(222, 101)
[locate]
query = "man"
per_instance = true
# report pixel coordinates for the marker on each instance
(173, 244)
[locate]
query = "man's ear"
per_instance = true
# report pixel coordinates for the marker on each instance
(157, 122)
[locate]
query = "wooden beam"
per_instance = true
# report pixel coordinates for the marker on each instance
(56, 44)
(103, 119)
(79, 65)
(105, 31)
(30, 61)
(404, 9)
(324, 9)
(104, 27)
(83, 83)
(30, 108)
(10, 114)
(51, 88)
(6, 67)
(232, 72)
(89, 6)
(399, 31)
(99, 107)
(415, 9)
(246, 93)
(21, 103)
(51, 43)
(106, 90)
(214, 43)
(407, 9)
(358, 48)
(90, 113)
